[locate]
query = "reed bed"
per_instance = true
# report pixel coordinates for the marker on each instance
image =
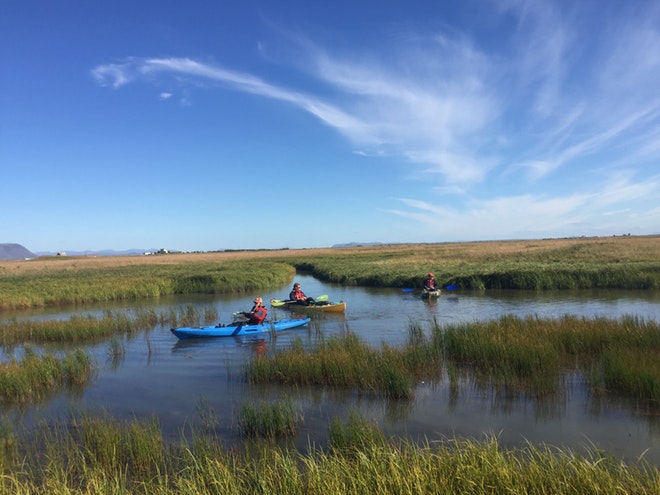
(345, 362)
(529, 356)
(35, 377)
(106, 456)
(618, 356)
(71, 285)
(89, 329)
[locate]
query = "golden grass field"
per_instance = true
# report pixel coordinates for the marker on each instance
(615, 249)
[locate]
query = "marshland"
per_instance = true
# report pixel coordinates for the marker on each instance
(539, 371)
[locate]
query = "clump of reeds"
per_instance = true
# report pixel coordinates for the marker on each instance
(279, 419)
(531, 356)
(341, 361)
(355, 435)
(36, 377)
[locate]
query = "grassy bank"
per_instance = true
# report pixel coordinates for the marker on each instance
(105, 456)
(614, 262)
(65, 284)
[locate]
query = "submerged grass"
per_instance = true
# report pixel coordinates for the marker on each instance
(106, 456)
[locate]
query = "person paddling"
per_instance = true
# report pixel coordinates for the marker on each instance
(430, 283)
(257, 314)
(298, 296)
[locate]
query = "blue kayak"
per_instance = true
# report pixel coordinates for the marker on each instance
(235, 330)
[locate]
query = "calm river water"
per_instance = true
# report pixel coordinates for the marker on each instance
(199, 382)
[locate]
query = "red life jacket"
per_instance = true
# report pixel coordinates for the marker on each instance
(258, 315)
(298, 295)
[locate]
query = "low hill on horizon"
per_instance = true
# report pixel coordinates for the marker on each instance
(13, 251)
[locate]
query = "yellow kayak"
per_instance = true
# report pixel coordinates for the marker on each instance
(328, 307)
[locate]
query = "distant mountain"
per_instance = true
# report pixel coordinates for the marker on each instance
(11, 251)
(355, 244)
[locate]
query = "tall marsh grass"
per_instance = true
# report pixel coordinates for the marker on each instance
(279, 419)
(106, 456)
(345, 362)
(530, 356)
(36, 377)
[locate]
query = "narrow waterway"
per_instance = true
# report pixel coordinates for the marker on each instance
(200, 381)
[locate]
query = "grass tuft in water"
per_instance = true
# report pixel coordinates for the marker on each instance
(279, 419)
(36, 377)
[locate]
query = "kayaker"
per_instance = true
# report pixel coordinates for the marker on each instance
(299, 297)
(257, 314)
(430, 283)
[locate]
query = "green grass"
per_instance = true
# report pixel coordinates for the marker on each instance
(89, 329)
(373, 271)
(527, 356)
(99, 456)
(616, 262)
(279, 419)
(342, 362)
(37, 377)
(78, 286)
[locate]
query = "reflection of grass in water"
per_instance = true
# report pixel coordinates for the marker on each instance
(528, 356)
(102, 455)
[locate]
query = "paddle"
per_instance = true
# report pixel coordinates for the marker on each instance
(447, 287)
(282, 302)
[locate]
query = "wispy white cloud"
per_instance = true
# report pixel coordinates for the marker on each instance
(531, 215)
(551, 96)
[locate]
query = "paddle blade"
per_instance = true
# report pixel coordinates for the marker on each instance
(451, 287)
(324, 297)
(408, 290)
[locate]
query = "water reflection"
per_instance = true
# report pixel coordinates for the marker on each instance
(161, 375)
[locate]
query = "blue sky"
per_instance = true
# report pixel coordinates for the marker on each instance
(285, 124)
